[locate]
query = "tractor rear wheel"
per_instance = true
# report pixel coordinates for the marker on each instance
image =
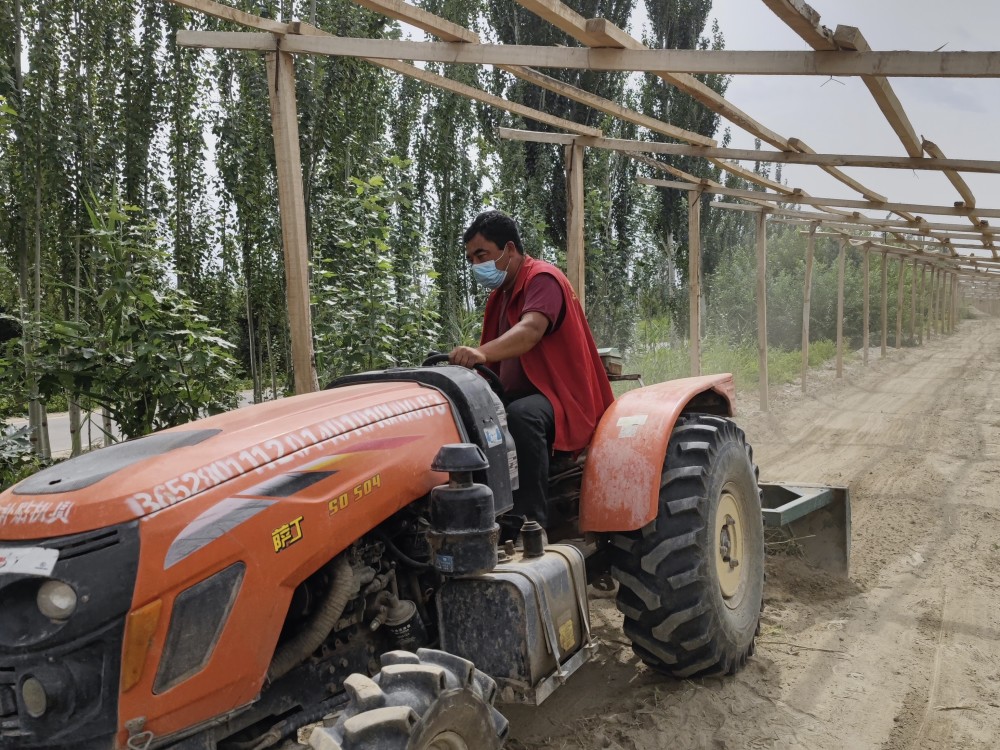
(430, 700)
(692, 580)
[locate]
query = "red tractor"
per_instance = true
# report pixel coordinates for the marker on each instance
(223, 583)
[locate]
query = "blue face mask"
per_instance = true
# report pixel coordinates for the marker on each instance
(488, 274)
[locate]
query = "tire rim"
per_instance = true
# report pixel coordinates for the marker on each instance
(447, 741)
(730, 540)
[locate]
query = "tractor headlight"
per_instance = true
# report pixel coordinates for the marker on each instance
(56, 600)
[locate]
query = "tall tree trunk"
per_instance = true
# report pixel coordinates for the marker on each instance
(254, 376)
(270, 362)
(74, 404)
(39, 420)
(107, 427)
(23, 283)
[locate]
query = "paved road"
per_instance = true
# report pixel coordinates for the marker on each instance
(61, 442)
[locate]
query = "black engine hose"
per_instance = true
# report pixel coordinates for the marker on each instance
(399, 554)
(345, 587)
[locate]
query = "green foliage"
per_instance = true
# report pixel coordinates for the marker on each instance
(148, 356)
(731, 292)
(369, 313)
(17, 460)
(661, 361)
(6, 114)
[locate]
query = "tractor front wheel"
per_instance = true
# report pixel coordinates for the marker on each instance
(691, 581)
(430, 700)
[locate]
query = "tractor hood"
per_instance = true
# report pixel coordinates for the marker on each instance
(139, 477)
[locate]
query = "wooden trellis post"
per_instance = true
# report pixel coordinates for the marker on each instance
(957, 297)
(938, 289)
(946, 303)
(762, 305)
(930, 303)
(807, 301)
(899, 303)
(867, 305)
(885, 302)
(841, 260)
(913, 303)
(694, 278)
(292, 211)
(942, 301)
(925, 292)
(943, 304)
(575, 269)
(953, 308)
(920, 327)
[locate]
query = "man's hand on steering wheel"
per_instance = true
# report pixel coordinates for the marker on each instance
(466, 356)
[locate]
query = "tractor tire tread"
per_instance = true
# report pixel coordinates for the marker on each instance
(667, 592)
(408, 702)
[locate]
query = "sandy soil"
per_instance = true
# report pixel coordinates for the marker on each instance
(903, 655)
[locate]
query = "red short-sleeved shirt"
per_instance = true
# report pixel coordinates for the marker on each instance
(542, 294)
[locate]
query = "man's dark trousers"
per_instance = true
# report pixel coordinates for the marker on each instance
(532, 424)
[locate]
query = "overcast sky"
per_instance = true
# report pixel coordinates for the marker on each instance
(960, 115)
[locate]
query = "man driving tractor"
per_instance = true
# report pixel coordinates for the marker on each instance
(536, 336)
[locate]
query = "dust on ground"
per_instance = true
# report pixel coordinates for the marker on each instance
(906, 653)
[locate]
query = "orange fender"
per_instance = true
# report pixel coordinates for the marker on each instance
(621, 478)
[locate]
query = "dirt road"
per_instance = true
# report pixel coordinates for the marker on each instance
(904, 655)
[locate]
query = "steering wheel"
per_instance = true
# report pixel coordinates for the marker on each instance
(437, 358)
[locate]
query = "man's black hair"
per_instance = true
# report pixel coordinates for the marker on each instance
(495, 226)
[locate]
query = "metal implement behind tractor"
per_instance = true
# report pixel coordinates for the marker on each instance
(221, 584)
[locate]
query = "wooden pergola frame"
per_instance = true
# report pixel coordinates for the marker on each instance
(607, 47)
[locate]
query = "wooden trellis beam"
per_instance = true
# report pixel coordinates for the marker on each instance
(452, 32)
(841, 202)
(935, 261)
(606, 106)
(563, 139)
(944, 241)
(806, 22)
(422, 19)
(836, 222)
(601, 32)
(758, 155)
(903, 64)
(859, 222)
(961, 186)
(851, 39)
(227, 13)
(266, 42)
(936, 237)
